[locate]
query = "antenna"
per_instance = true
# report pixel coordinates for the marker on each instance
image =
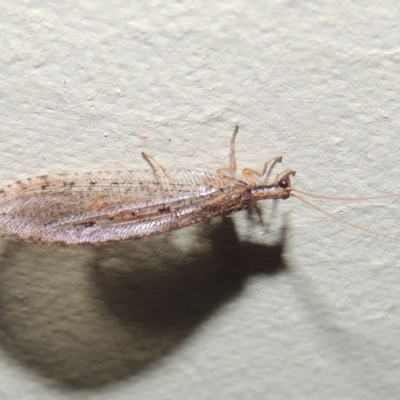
(341, 220)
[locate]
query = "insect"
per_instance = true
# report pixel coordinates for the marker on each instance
(105, 207)
(97, 208)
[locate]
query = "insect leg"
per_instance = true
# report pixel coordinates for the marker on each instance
(253, 177)
(158, 168)
(285, 175)
(222, 172)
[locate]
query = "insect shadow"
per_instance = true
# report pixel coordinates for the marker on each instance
(86, 317)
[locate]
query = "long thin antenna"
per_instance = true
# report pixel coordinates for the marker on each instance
(343, 221)
(334, 198)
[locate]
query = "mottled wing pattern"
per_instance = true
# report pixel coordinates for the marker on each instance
(105, 207)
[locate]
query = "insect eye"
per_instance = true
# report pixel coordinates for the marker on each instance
(283, 183)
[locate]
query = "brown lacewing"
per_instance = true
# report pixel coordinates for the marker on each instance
(96, 208)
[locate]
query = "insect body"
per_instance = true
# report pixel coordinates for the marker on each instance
(105, 207)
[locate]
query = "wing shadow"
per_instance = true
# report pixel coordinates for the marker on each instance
(86, 317)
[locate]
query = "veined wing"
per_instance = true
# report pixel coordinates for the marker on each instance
(104, 207)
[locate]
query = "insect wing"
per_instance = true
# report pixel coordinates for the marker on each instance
(78, 209)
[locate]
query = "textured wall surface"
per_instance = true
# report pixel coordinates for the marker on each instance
(284, 304)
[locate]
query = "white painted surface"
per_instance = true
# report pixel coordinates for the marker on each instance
(216, 311)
